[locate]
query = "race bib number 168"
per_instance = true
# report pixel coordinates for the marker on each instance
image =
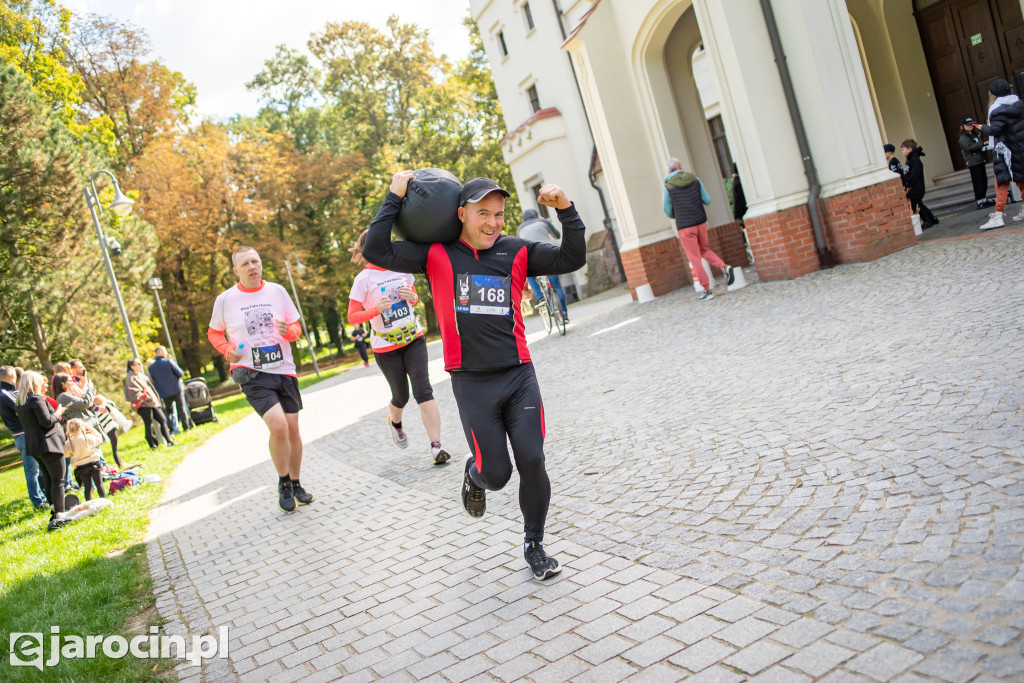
(483, 294)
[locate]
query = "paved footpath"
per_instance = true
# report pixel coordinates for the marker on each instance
(817, 479)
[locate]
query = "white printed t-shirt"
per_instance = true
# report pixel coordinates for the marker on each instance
(397, 327)
(248, 317)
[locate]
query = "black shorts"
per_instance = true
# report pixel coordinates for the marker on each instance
(264, 390)
(409, 361)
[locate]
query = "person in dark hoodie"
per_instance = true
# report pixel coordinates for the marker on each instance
(1005, 131)
(972, 146)
(683, 197)
(913, 180)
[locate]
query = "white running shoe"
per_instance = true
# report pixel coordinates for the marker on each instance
(398, 435)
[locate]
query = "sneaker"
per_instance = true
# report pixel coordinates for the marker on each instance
(398, 435)
(474, 498)
(706, 296)
(300, 495)
(730, 276)
(439, 455)
(995, 221)
(541, 565)
(285, 497)
(56, 522)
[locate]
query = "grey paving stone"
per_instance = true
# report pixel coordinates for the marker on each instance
(819, 658)
(757, 657)
(801, 632)
(701, 655)
(884, 661)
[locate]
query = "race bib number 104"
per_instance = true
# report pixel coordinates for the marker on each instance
(483, 294)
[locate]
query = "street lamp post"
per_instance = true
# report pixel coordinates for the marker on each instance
(309, 340)
(156, 284)
(122, 206)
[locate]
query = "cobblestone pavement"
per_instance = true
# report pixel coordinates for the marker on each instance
(816, 479)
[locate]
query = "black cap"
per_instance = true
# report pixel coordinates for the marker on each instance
(967, 122)
(999, 88)
(887, 147)
(477, 188)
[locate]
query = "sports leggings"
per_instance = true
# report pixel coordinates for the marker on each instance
(408, 361)
(503, 403)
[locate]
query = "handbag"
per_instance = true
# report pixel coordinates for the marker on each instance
(138, 404)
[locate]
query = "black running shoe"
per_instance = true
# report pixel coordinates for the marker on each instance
(285, 498)
(56, 523)
(541, 565)
(300, 495)
(730, 276)
(474, 498)
(706, 296)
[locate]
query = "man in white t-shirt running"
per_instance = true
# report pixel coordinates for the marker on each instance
(260, 322)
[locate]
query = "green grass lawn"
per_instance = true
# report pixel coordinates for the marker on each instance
(92, 576)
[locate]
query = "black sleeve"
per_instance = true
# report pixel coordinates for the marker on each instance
(996, 127)
(547, 259)
(45, 415)
(915, 174)
(177, 370)
(973, 145)
(401, 257)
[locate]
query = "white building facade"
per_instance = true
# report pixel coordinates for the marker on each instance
(548, 138)
(862, 73)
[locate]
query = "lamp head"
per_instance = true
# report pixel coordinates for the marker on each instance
(122, 205)
(299, 266)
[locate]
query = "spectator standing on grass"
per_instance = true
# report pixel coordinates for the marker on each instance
(9, 416)
(44, 440)
(140, 392)
(83, 448)
(106, 414)
(167, 376)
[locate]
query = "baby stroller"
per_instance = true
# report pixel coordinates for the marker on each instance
(200, 406)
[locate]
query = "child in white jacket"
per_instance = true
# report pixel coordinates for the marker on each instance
(83, 447)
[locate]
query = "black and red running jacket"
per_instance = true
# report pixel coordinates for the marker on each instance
(474, 341)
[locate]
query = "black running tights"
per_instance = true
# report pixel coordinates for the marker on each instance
(51, 475)
(500, 404)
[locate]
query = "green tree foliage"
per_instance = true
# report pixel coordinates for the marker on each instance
(55, 301)
(34, 38)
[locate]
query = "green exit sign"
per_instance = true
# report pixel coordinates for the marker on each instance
(976, 39)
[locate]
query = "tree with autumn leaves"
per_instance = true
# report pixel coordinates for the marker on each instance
(301, 179)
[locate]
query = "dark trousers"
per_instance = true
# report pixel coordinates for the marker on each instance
(979, 179)
(149, 415)
(112, 435)
(927, 217)
(178, 400)
(361, 348)
(88, 475)
(51, 476)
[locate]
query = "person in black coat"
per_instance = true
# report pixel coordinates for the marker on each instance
(973, 147)
(913, 180)
(1005, 131)
(44, 440)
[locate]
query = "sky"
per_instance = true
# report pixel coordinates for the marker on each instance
(219, 45)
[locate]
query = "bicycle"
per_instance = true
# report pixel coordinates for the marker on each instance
(550, 308)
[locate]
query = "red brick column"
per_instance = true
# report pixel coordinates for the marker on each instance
(868, 223)
(727, 241)
(861, 225)
(662, 265)
(783, 244)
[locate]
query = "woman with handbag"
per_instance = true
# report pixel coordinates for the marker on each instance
(44, 440)
(140, 392)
